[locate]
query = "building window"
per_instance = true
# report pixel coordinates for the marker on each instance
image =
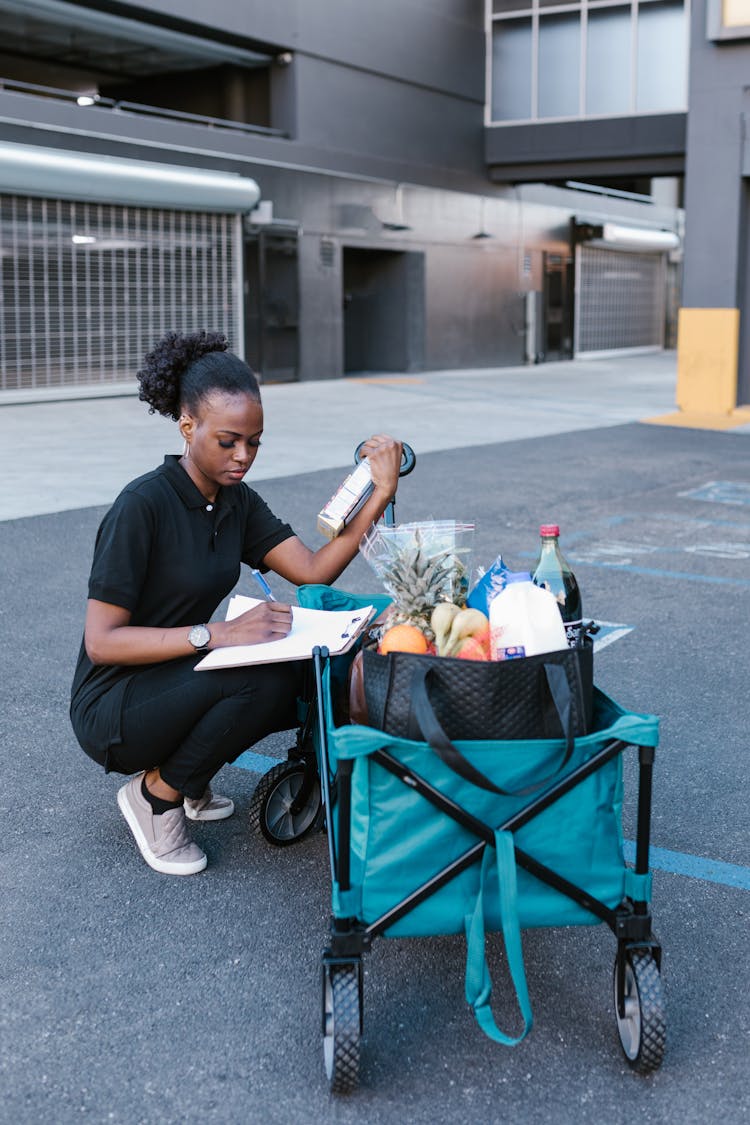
(608, 66)
(662, 47)
(591, 58)
(511, 65)
(559, 64)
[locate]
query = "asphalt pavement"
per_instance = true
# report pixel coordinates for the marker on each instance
(131, 997)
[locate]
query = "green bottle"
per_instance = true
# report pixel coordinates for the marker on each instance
(552, 572)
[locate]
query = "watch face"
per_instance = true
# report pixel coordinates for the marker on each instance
(199, 636)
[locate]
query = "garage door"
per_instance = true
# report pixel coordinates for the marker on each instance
(87, 288)
(620, 300)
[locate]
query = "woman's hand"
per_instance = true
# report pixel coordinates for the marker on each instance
(298, 564)
(269, 621)
(384, 454)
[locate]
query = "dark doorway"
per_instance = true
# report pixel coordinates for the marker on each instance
(383, 295)
(557, 307)
(272, 305)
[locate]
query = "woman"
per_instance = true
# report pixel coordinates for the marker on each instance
(166, 554)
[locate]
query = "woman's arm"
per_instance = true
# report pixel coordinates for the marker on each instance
(298, 564)
(111, 639)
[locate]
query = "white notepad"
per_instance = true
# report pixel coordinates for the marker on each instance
(335, 630)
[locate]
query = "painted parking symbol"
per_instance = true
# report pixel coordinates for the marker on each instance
(612, 553)
(720, 492)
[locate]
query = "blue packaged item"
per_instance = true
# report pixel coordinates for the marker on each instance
(494, 579)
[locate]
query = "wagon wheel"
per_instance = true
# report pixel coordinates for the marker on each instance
(641, 1023)
(341, 1026)
(286, 804)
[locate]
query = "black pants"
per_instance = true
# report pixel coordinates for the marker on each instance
(190, 724)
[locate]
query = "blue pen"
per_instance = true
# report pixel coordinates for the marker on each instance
(263, 584)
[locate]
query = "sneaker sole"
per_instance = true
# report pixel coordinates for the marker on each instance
(211, 814)
(161, 865)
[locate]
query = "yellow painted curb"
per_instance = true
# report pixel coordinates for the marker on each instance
(693, 420)
(707, 357)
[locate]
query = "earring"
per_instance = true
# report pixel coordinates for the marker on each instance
(186, 443)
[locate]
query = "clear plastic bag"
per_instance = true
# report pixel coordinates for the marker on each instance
(420, 565)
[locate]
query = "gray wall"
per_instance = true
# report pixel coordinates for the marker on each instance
(713, 185)
(717, 249)
(385, 103)
(474, 289)
(433, 43)
(652, 145)
(393, 88)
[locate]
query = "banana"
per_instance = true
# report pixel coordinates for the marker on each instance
(466, 623)
(441, 620)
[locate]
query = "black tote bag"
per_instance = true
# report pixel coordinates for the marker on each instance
(477, 699)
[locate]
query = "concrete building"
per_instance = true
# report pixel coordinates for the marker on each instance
(647, 96)
(328, 184)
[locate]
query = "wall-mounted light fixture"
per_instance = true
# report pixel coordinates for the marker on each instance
(262, 213)
(481, 233)
(399, 222)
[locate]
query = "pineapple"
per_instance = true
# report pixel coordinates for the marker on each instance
(418, 579)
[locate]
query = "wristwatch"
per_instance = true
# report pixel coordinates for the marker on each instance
(199, 637)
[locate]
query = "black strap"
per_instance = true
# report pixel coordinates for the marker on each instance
(432, 732)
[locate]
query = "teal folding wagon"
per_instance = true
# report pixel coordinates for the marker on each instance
(417, 850)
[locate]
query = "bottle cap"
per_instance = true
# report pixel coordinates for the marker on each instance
(549, 529)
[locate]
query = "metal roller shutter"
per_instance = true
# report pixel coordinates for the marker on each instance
(87, 288)
(620, 300)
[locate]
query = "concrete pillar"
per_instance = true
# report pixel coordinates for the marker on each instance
(714, 302)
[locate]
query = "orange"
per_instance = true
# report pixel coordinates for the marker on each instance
(403, 638)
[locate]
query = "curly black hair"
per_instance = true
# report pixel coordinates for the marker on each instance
(182, 370)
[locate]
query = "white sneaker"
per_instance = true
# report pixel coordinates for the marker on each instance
(163, 839)
(208, 807)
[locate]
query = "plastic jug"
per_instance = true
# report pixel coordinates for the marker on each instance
(524, 620)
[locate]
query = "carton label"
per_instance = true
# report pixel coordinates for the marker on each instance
(346, 501)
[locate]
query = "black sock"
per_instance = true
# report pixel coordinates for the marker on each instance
(157, 804)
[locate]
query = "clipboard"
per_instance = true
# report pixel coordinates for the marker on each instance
(336, 630)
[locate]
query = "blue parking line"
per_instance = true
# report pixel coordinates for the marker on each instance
(256, 763)
(693, 866)
(713, 579)
(660, 859)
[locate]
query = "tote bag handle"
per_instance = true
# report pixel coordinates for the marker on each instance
(478, 980)
(429, 725)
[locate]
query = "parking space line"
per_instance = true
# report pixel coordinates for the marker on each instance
(660, 859)
(255, 763)
(655, 572)
(693, 866)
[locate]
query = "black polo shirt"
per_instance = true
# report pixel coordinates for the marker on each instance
(167, 555)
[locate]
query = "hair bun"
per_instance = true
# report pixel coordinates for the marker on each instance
(165, 365)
